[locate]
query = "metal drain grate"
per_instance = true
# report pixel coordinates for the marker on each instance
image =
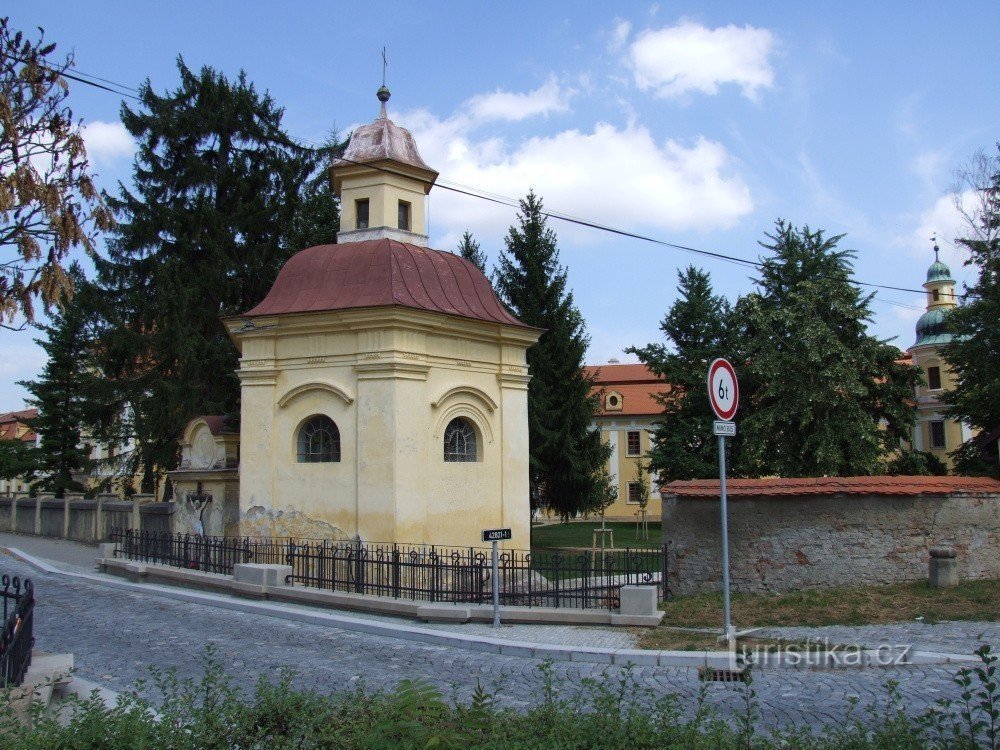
(711, 674)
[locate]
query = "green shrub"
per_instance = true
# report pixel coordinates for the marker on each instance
(614, 712)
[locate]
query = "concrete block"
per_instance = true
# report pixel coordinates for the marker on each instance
(943, 573)
(515, 648)
(257, 574)
(638, 600)
(555, 653)
(636, 656)
(443, 613)
(593, 656)
(106, 550)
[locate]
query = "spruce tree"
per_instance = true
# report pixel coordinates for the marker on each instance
(695, 327)
(468, 248)
(821, 396)
(202, 233)
(974, 351)
(64, 394)
(566, 457)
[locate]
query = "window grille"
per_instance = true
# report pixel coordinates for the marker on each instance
(319, 440)
(460, 441)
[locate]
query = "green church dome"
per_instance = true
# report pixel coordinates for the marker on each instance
(931, 328)
(939, 272)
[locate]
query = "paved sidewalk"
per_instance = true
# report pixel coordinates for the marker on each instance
(60, 553)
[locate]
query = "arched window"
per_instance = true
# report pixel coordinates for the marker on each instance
(318, 440)
(460, 441)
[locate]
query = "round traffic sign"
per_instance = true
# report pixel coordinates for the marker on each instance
(723, 390)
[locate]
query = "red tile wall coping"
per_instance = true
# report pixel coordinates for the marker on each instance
(819, 486)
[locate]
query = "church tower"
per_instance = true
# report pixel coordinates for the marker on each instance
(933, 432)
(382, 183)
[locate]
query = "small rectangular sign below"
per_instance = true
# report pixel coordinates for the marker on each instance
(496, 535)
(726, 429)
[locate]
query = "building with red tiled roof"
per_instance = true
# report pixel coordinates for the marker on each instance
(12, 427)
(627, 408)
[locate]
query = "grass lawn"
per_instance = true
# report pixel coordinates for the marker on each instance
(580, 534)
(861, 605)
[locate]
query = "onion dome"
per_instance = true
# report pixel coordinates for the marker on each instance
(932, 328)
(383, 273)
(938, 271)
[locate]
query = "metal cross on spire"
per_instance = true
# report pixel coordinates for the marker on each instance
(383, 92)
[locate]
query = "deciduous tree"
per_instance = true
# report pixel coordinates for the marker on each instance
(48, 202)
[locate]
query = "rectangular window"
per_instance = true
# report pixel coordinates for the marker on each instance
(361, 209)
(633, 493)
(934, 378)
(404, 215)
(632, 448)
(937, 435)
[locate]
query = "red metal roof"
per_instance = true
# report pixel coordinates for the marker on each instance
(383, 273)
(636, 384)
(778, 487)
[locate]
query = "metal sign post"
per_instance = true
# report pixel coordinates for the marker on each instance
(495, 536)
(724, 397)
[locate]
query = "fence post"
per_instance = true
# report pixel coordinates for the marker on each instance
(98, 510)
(136, 522)
(13, 512)
(38, 514)
(359, 569)
(395, 571)
(65, 528)
(664, 576)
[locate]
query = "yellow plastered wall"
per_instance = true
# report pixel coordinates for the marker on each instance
(391, 380)
(383, 192)
(624, 466)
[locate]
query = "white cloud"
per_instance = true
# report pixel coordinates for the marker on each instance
(675, 60)
(511, 107)
(619, 34)
(620, 176)
(107, 141)
(944, 220)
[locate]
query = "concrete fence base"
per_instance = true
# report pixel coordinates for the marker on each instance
(83, 520)
(268, 582)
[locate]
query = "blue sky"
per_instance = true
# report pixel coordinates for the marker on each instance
(698, 124)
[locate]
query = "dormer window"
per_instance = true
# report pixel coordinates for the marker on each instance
(613, 401)
(404, 215)
(361, 211)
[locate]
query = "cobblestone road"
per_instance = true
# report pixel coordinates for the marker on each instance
(116, 635)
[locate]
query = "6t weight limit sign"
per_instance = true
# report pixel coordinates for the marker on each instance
(723, 390)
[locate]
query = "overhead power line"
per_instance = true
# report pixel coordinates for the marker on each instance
(473, 192)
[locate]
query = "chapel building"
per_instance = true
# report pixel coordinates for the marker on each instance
(383, 383)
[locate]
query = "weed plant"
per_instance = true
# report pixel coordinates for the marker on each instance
(168, 713)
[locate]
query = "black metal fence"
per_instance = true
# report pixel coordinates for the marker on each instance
(544, 578)
(17, 636)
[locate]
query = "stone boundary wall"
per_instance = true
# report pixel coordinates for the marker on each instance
(89, 521)
(785, 543)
